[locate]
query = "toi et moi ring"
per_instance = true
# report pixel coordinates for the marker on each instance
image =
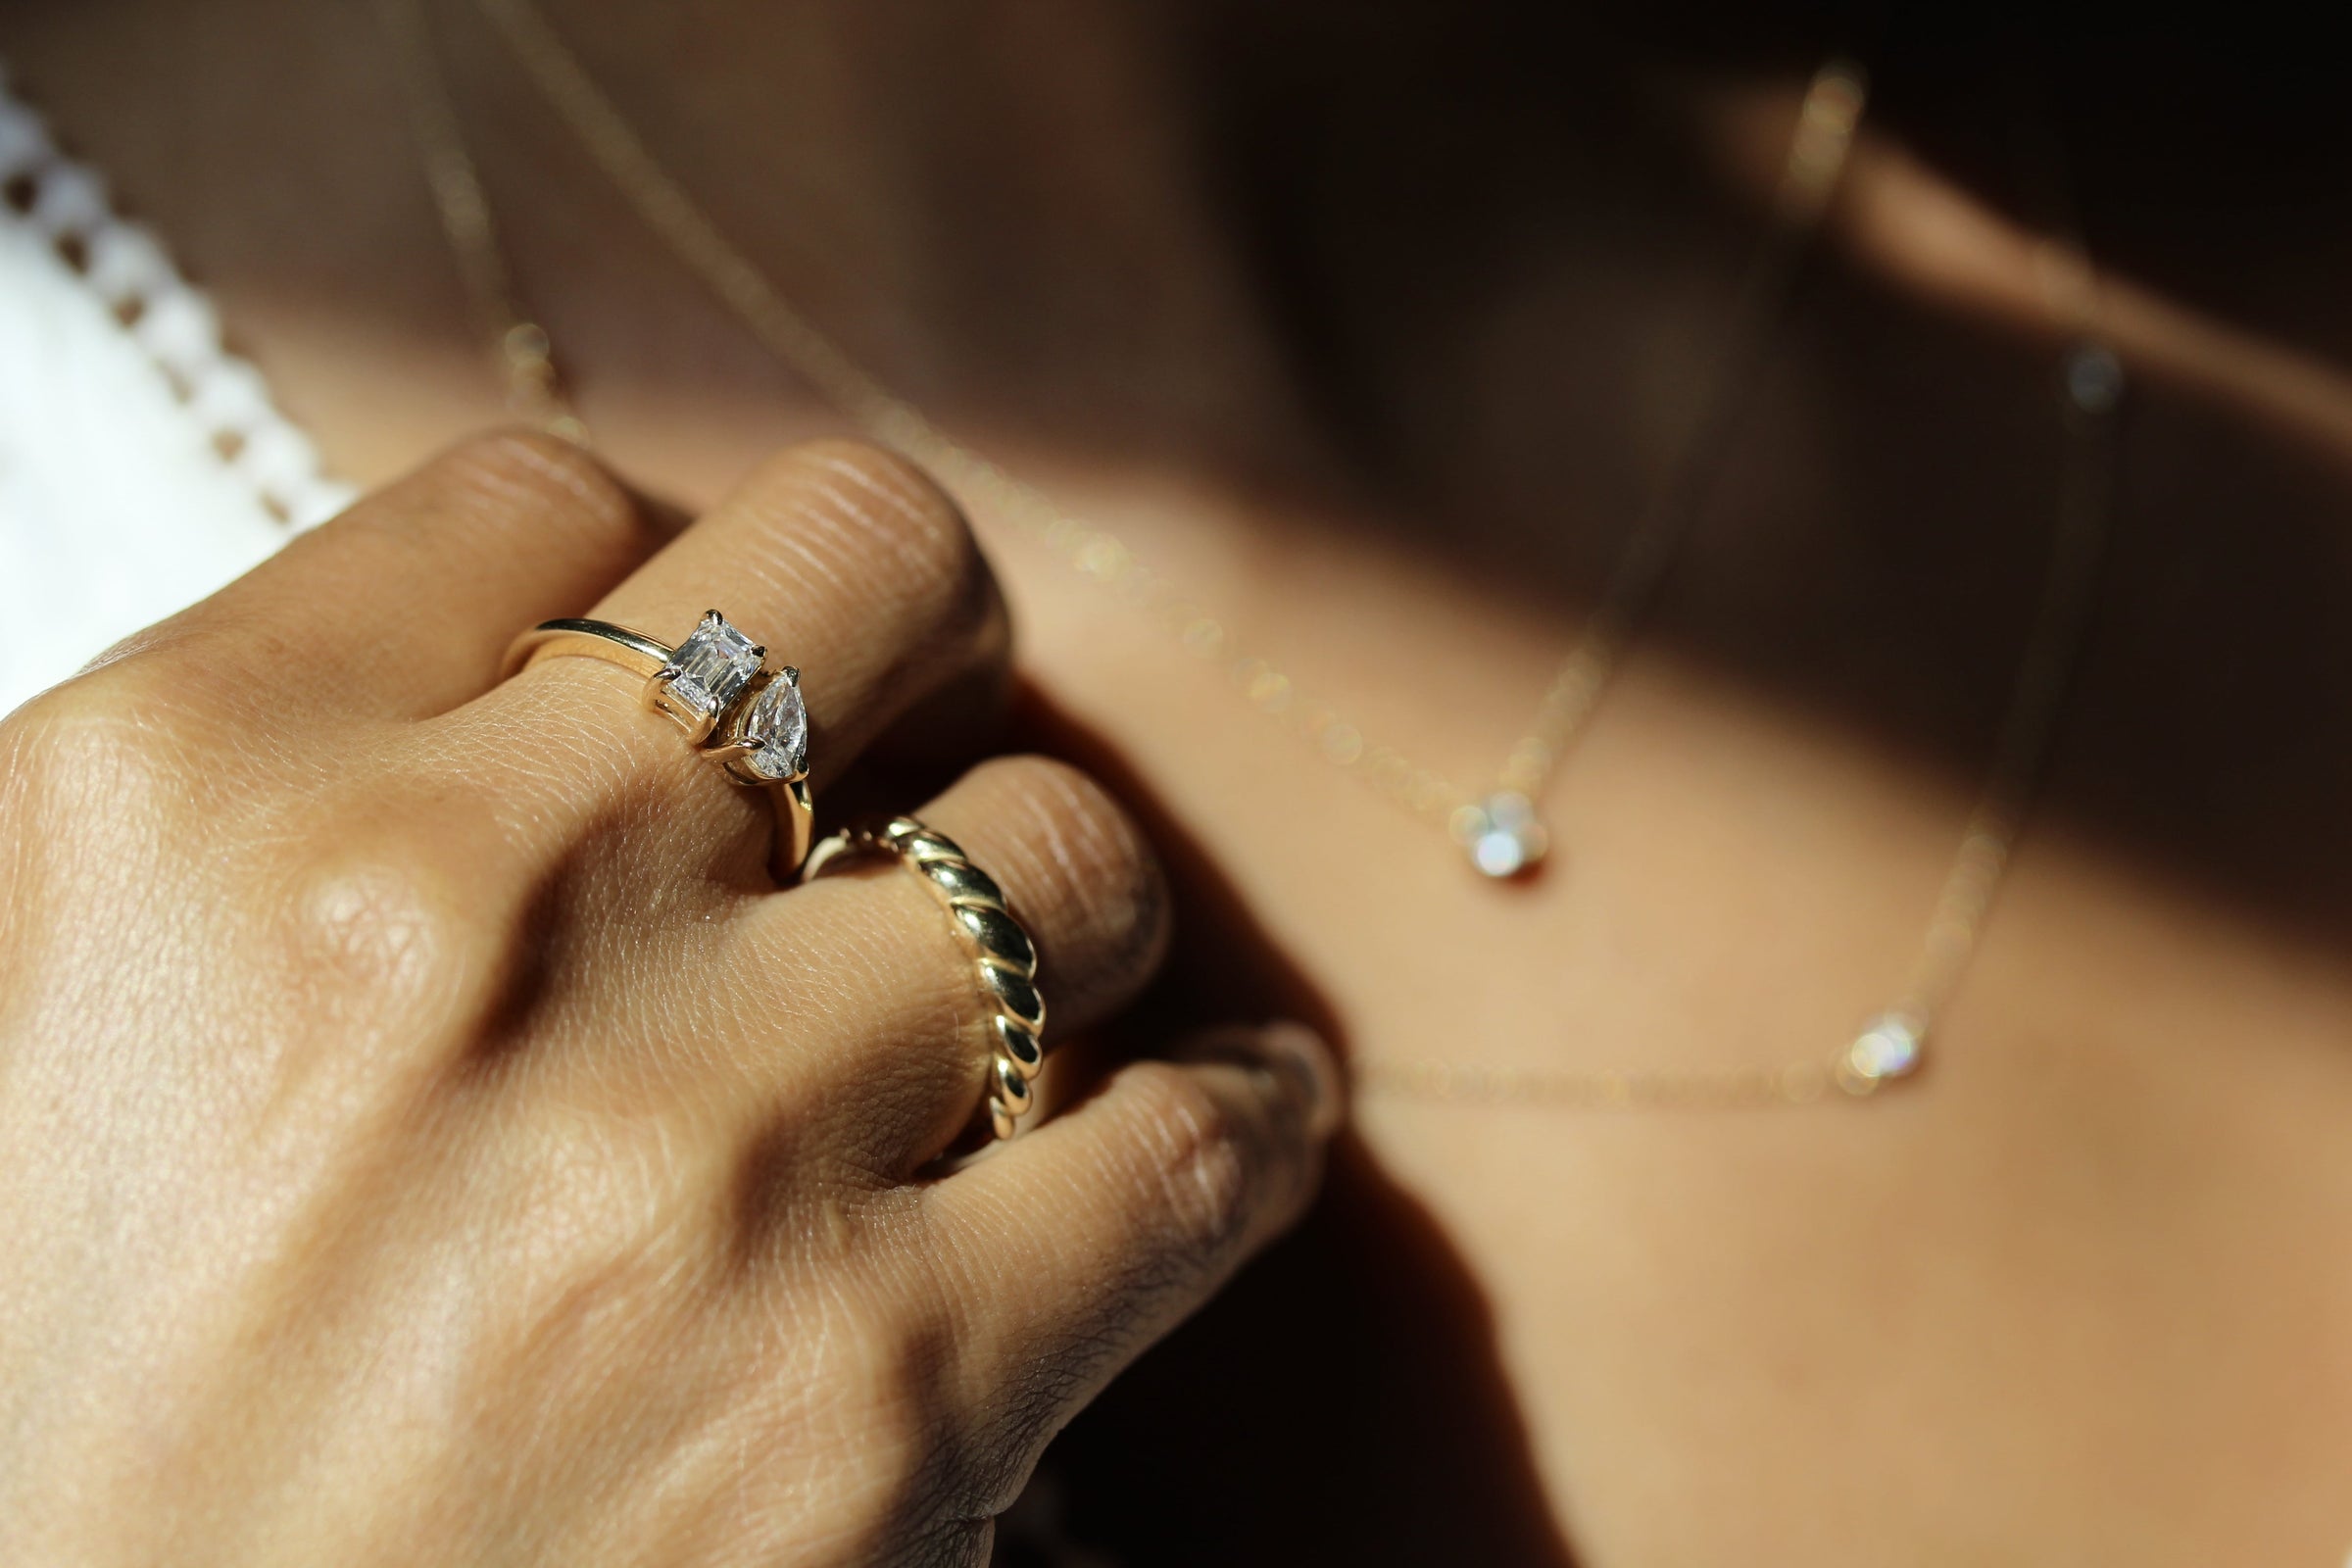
(717, 688)
(1003, 956)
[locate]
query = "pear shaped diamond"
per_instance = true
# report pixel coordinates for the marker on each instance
(776, 725)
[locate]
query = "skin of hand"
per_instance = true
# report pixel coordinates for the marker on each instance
(428, 1135)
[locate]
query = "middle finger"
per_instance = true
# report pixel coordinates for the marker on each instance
(851, 1005)
(843, 560)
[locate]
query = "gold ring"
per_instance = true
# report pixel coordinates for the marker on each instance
(717, 688)
(1004, 958)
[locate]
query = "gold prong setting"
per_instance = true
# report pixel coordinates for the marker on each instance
(717, 688)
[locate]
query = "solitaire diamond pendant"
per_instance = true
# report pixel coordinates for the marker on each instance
(1502, 833)
(1888, 1047)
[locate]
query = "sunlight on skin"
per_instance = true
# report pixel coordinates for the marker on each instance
(1921, 231)
(1628, 1234)
(1793, 1319)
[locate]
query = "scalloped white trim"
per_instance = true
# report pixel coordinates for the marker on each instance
(142, 466)
(125, 265)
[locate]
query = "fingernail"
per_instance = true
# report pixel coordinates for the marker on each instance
(1314, 1074)
(1291, 1053)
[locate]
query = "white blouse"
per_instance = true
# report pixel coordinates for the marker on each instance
(142, 466)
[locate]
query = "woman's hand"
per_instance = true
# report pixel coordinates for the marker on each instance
(428, 1137)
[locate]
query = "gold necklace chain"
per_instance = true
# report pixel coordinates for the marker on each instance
(1890, 1045)
(1500, 829)
(535, 391)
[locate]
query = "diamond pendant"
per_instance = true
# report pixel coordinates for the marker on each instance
(1502, 833)
(1888, 1047)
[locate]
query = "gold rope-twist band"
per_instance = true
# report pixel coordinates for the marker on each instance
(1004, 958)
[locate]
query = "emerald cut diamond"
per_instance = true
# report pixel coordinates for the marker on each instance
(776, 727)
(709, 671)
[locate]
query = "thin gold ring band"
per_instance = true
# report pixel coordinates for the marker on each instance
(717, 688)
(632, 651)
(1004, 958)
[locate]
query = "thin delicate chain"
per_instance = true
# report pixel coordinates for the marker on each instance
(1504, 816)
(1827, 122)
(1890, 1047)
(535, 391)
(2094, 381)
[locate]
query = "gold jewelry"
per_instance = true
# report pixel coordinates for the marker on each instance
(1499, 829)
(716, 687)
(1004, 958)
(1890, 1045)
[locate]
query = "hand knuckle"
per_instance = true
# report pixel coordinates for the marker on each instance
(1081, 824)
(870, 517)
(376, 935)
(102, 755)
(1075, 859)
(1202, 1162)
(507, 472)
